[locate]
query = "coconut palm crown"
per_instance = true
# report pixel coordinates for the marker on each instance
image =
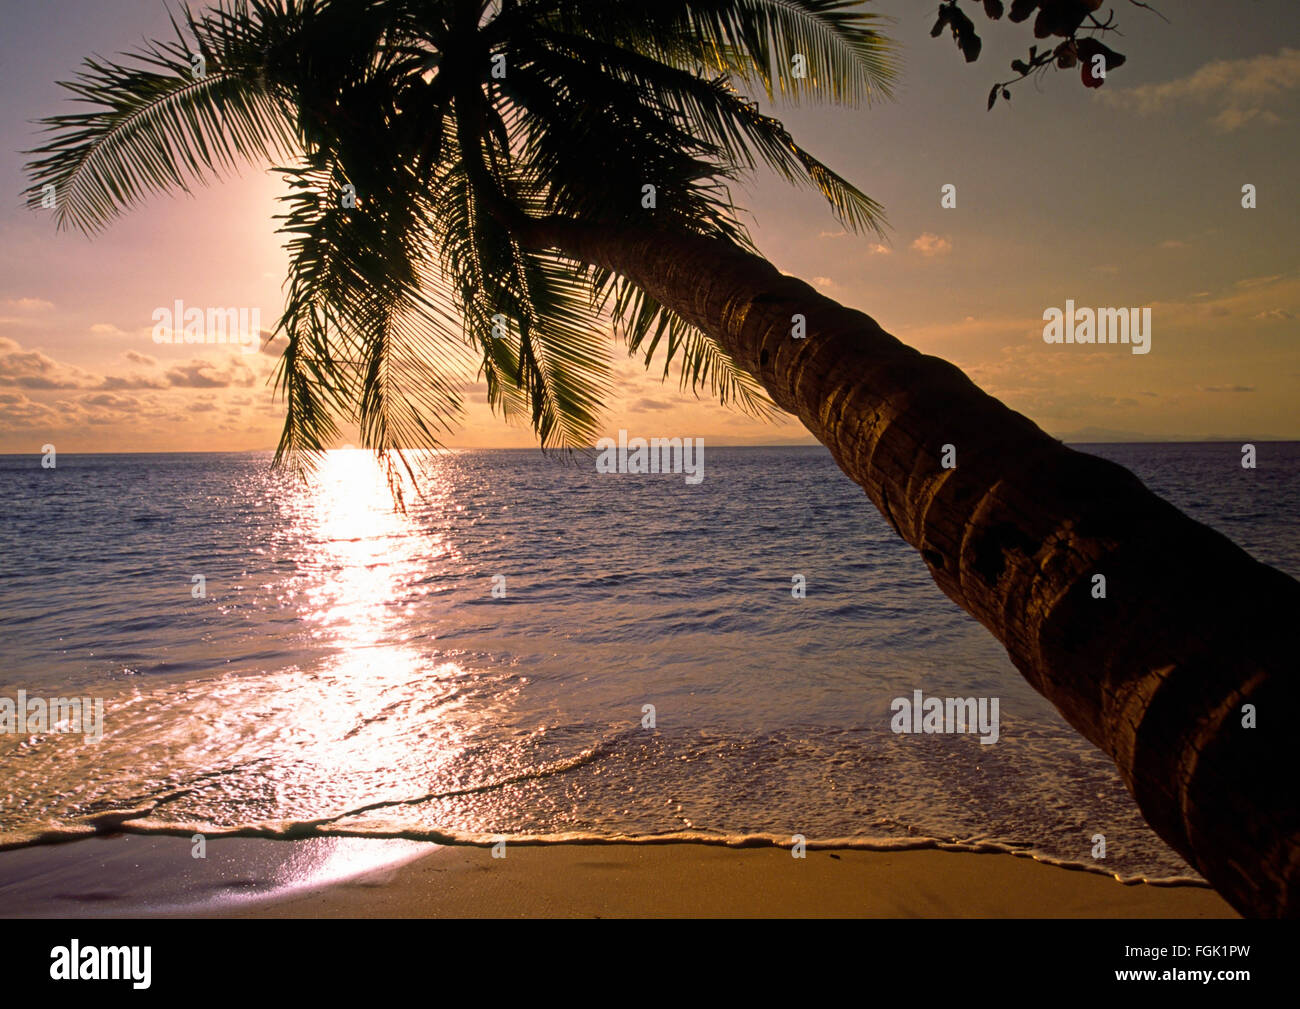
(414, 135)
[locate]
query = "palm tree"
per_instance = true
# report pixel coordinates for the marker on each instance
(499, 154)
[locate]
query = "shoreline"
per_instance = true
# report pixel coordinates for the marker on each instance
(153, 876)
(692, 880)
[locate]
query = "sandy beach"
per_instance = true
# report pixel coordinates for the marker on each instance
(691, 880)
(148, 875)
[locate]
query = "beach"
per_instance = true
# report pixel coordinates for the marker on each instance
(637, 881)
(150, 876)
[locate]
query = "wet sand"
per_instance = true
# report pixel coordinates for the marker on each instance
(687, 880)
(139, 875)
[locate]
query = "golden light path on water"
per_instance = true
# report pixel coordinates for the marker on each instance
(370, 567)
(370, 558)
(374, 721)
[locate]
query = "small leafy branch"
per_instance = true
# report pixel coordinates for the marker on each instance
(1064, 19)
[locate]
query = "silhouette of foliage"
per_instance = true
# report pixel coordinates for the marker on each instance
(1077, 22)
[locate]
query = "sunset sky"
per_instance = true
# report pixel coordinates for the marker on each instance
(1129, 195)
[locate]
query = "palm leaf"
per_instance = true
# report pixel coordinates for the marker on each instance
(847, 60)
(154, 126)
(388, 304)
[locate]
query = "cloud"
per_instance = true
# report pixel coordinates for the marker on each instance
(1238, 91)
(876, 249)
(822, 282)
(111, 401)
(28, 304)
(201, 374)
(930, 245)
(30, 369)
(1173, 243)
(1252, 298)
(102, 409)
(107, 329)
(646, 403)
(1228, 388)
(136, 381)
(99, 409)
(18, 413)
(832, 234)
(271, 344)
(1234, 119)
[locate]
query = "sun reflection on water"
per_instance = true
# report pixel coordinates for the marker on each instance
(362, 565)
(367, 554)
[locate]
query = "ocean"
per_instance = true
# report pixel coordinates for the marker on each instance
(538, 651)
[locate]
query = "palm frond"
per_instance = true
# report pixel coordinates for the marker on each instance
(713, 110)
(845, 58)
(543, 348)
(360, 321)
(154, 126)
(392, 303)
(644, 325)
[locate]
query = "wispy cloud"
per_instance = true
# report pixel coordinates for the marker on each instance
(27, 304)
(930, 245)
(1259, 281)
(1237, 92)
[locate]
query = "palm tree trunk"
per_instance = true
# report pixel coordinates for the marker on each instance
(1157, 673)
